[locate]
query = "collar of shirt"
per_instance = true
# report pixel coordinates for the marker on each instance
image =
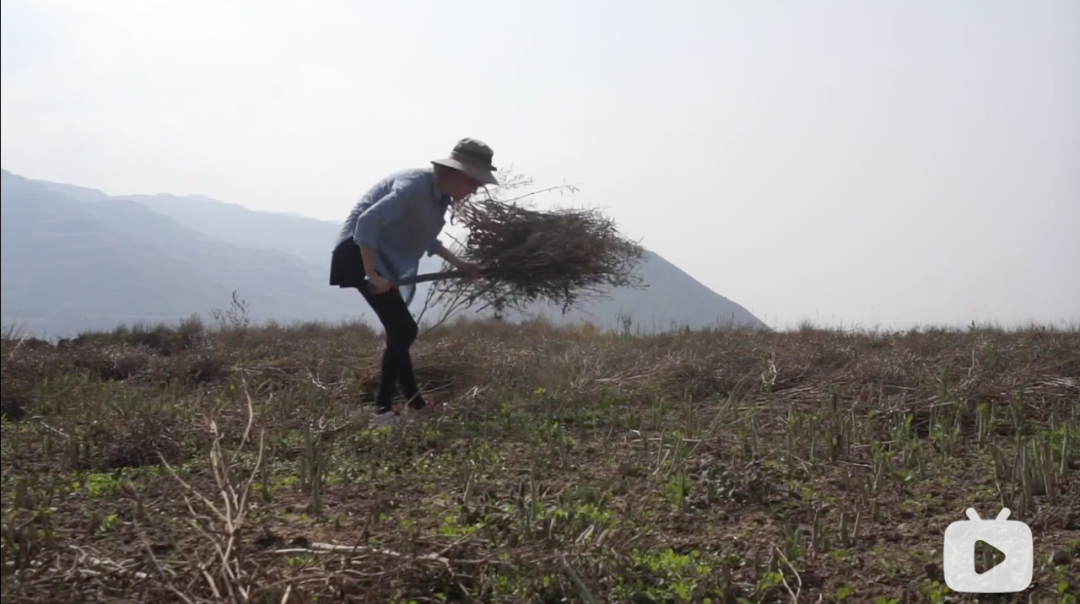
(442, 200)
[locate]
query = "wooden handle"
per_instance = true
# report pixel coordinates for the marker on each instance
(432, 277)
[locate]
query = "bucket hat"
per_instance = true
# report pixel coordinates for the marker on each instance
(472, 157)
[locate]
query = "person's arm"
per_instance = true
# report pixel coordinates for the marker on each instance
(474, 270)
(441, 251)
(403, 194)
(369, 255)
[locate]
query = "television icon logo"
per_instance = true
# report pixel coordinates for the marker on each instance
(1011, 538)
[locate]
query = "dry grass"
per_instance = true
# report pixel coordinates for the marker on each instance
(559, 256)
(556, 256)
(158, 465)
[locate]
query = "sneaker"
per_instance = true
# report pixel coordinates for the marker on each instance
(386, 418)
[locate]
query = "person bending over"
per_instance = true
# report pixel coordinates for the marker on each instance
(383, 239)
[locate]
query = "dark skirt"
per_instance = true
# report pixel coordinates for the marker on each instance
(347, 265)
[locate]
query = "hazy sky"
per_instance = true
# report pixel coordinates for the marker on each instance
(868, 162)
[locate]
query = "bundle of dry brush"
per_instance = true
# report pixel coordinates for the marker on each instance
(557, 256)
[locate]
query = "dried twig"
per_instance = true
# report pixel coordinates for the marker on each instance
(529, 256)
(794, 594)
(229, 581)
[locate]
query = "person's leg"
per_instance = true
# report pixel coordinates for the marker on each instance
(398, 347)
(384, 400)
(401, 331)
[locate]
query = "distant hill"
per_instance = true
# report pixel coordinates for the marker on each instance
(76, 258)
(71, 265)
(305, 238)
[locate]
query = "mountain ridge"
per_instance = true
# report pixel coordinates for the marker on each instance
(137, 265)
(277, 261)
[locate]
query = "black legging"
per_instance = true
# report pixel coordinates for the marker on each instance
(401, 332)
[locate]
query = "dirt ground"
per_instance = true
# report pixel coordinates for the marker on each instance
(570, 466)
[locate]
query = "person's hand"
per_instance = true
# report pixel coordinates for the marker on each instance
(378, 284)
(472, 268)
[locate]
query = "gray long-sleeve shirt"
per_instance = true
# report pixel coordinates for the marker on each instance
(400, 217)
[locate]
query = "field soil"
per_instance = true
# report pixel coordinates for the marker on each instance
(197, 465)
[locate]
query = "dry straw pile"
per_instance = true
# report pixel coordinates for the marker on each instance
(556, 256)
